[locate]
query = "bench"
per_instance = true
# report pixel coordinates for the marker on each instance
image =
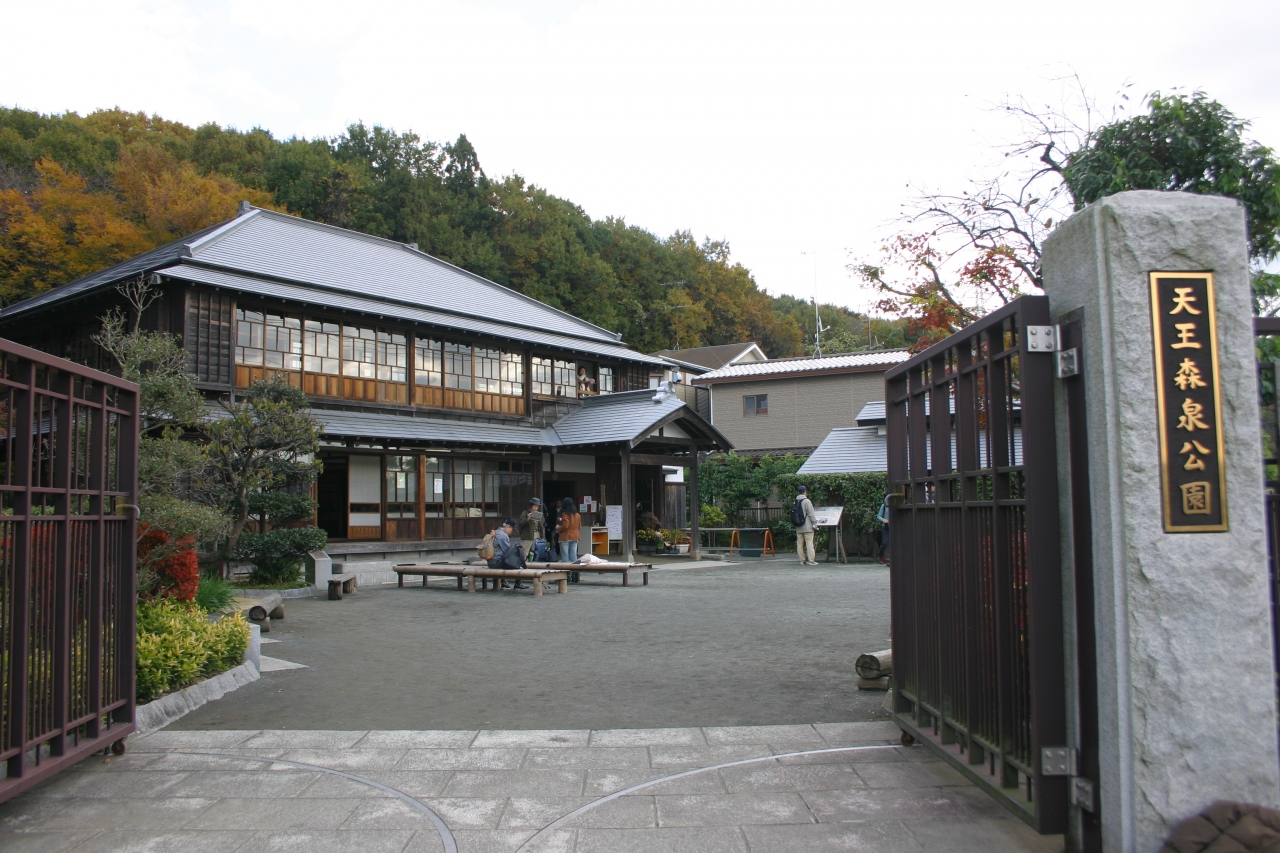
(441, 571)
(268, 607)
(338, 584)
(540, 577)
(623, 569)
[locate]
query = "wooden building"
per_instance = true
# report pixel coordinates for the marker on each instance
(447, 400)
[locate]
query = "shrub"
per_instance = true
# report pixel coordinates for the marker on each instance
(712, 516)
(173, 564)
(178, 645)
(277, 554)
(215, 595)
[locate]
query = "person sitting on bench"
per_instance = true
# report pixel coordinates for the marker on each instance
(507, 552)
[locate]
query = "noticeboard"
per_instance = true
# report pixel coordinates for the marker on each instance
(613, 520)
(1193, 476)
(828, 516)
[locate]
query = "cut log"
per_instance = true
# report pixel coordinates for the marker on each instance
(874, 664)
(873, 683)
(269, 606)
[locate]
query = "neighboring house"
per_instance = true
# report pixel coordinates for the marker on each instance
(685, 364)
(447, 400)
(789, 405)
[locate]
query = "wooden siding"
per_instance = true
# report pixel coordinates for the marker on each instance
(207, 338)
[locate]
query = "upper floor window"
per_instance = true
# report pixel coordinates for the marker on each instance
(511, 375)
(322, 347)
(268, 340)
(606, 380)
(487, 363)
(566, 377)
(457, 366)
(541, 376)
(755, 404)
(428, 363)
(371, 354)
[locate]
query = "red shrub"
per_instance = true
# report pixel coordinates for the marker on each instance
(179, 571)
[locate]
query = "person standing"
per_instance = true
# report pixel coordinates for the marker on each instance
(883, 517)
(569, 530)
(531, 524)
(804, 518)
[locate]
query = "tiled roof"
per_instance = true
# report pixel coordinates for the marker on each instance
(712, 357)
(848, 450)
(806, 364)
(610, 418)
(304, 295)
(262, 247)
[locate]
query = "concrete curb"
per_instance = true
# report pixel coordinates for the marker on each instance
(299, 592)
(166, 709)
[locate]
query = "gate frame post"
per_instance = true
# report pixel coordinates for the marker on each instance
(1170, 744)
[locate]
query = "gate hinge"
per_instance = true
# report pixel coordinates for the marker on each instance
(1057, 761)
(1043, 339)
(1067, 364)
(1082, 793)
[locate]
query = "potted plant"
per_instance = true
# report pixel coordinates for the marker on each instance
(647, 540)
(681, 540)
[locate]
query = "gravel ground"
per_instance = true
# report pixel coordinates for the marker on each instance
(733, 645)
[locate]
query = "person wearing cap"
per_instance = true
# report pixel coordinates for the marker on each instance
(804, 532)
(532, 524)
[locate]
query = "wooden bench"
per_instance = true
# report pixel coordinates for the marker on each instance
(338, 584)
(458, 571)
(623, 569)
(540, 577)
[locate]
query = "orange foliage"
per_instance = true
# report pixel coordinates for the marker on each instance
(170, 198)
(61, 231)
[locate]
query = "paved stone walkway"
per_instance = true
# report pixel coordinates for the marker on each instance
(507, 791)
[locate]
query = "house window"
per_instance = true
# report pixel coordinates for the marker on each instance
(541, 378)
(566, 376)
(606, 380)
(359, 352)
(268, 340)
(487, 369)
(457, 366)
(755, 404)
(511, 375)
(428, 363)
(322, 347)
(392, 357)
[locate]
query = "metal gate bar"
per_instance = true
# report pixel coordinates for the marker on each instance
(68, 477)
(976, 582)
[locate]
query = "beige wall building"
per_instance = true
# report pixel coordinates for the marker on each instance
(791, 404)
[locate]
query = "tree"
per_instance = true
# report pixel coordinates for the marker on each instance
(173, 520)
(961, 255)
(263, 442)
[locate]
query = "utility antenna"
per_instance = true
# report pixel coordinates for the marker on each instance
(818, 329)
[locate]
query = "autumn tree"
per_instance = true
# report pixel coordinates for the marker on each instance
(961, 255)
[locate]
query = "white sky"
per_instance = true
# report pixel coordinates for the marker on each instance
(790, 130)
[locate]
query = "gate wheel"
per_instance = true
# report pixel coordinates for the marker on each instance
(907, 740)
(118, 748)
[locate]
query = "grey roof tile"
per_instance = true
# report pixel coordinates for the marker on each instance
(848, 450)
(815, 364)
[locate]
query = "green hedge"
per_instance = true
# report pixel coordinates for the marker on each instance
(859, 494)
(178, 646)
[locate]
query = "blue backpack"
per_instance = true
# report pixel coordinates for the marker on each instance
(541, 552)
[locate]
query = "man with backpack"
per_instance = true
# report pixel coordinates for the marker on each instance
(804, 518)
(508, 552)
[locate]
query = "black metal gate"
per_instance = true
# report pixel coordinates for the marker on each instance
(976, 582)
(68, 477)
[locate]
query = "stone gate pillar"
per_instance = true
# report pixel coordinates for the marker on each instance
(1185, 679)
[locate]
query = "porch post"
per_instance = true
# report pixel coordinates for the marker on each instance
(1179, 563)
(628, 546)
(695, 506)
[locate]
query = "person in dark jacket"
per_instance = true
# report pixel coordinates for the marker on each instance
(531, 525)
(507, 552)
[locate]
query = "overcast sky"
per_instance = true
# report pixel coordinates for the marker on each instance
(790, 130)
